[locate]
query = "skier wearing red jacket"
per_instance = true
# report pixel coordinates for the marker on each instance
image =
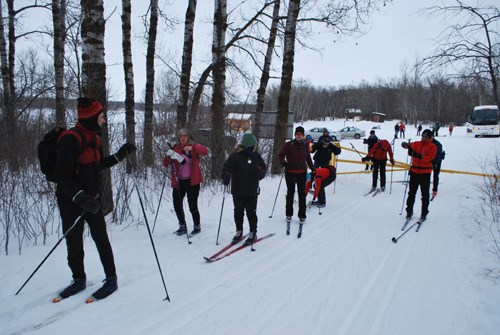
(423, 153)
(378, 156)
(323, 177)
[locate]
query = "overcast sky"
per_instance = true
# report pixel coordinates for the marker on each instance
(396, 35)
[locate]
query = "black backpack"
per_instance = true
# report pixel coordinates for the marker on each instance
(47, 150)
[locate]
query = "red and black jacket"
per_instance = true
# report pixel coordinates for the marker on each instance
(79, 162)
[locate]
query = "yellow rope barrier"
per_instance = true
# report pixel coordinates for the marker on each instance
(400, 166)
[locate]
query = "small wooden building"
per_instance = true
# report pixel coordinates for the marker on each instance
(378, 117)
(239, 122)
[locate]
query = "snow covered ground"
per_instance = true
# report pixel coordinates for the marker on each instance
(344, 276)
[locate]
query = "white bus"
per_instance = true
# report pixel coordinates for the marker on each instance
(485, 121)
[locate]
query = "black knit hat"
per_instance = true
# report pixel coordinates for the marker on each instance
(299, 129)
(427, 133)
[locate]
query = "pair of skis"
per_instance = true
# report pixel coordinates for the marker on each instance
(231, 248)
(288, 224)
(417, 223)
(89, 300)
(373, 192)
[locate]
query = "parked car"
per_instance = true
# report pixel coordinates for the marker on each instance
(318, 131)
(351, 132)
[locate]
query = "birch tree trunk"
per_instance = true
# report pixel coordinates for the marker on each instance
(128, 69)
(261, 92)
(187, 56)
(147, 153)
(286, 82)
(218, 94)
(59, 23)
(94, 77)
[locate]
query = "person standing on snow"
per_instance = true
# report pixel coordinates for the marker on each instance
(378, 156)
(370, 141)
(450, 128)
(324, 151)
(396, 130)
(419, 129)
(326, 134)
(324, 176)
(78, 167)
(295, 157)
(244, 168)
(436, 165)
(184, 159)
(402, 129)
(422, 152)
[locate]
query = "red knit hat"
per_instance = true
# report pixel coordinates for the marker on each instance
(88, 108)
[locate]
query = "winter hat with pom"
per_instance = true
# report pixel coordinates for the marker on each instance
(248, 141)
(88, 108)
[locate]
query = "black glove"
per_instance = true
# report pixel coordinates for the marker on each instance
(365, 141)
(225, 179)
(284, 163)
(86, 202)
(365, 159)
(413, 153)
(405, 145)
(124, 151)
(261, 173)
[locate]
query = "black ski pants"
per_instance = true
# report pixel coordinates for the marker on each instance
(298, 179)
(248, 204)
(435, 177)
(192, 193)
(424, 182)
(324, 184)
(74, 240)
(378, 165)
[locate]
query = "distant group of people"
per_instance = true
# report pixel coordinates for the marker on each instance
(399, 129)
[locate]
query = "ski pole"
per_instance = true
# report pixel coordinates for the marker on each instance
(392, 166)
(407, 182)
(277, 192)
(355, 149)
(159, 201)
(221, 210)
(404, 196)
(78, 220)
(150, 235)
(395, 239)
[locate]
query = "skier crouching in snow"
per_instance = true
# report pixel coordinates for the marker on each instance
(78, 175)
(323, 177)
(422, 152)
(244, 168)
(378, 156)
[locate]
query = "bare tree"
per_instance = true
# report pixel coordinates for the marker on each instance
(286, 82)
(218, 92)
(128, 70)
(147, 154)
(471, 42)
(59, 26)
(94, 77)
(187, 55)
(264, 79)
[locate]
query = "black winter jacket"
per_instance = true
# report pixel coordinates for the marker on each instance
(245, 171)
